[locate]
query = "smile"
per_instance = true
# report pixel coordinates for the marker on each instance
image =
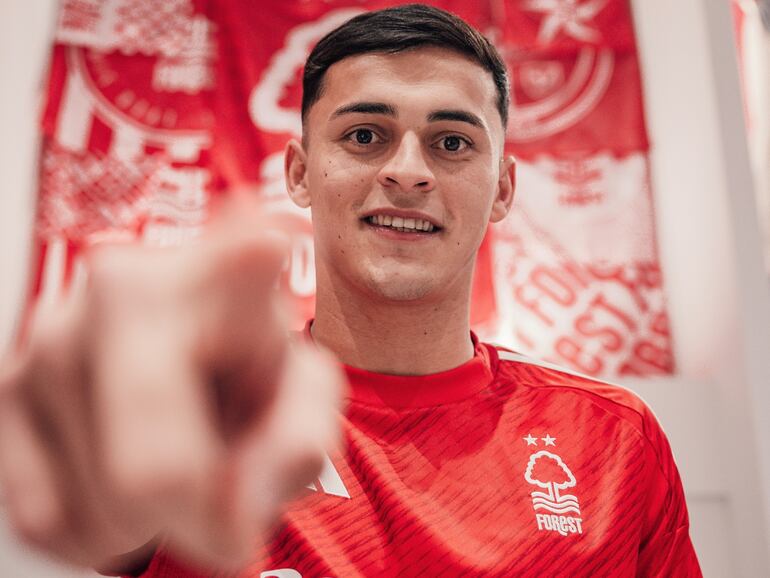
(401, 224)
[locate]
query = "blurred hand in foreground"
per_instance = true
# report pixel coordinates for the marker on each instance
(163, 398)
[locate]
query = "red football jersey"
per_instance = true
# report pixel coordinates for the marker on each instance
(504, 466)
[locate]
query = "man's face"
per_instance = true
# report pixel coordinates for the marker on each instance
(403, 170)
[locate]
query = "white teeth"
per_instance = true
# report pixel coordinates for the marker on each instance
(402, 224)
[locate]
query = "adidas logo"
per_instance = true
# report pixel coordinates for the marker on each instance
(330, 481)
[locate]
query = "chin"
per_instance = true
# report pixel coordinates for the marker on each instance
(400, 287)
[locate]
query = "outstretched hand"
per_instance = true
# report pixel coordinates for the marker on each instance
(164, 398)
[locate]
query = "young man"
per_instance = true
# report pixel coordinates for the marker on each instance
(459, 458)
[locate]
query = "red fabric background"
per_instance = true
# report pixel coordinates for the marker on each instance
(154, 108)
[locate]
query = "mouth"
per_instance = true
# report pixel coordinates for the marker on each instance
(411, 225)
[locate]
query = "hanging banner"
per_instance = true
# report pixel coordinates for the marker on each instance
(576, 268)
(131, 150)
(594, 302)
(126, 131)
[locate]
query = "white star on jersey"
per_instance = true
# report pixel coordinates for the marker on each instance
(530, 440)
(549, 441)
(571, 16)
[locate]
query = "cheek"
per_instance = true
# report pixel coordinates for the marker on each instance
(337, 191)
(473, 200)
(337, 183)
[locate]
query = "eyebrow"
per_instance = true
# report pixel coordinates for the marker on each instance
(456, 115)
(388, 110)
(365, 108)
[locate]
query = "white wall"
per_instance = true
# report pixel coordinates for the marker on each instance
(716, 411)
(719, 298)
(25, 28)
(24, 36)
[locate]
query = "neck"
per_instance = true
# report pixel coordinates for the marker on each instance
(399, 338)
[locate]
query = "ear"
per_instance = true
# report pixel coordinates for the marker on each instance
(506, 187)
(295, 171)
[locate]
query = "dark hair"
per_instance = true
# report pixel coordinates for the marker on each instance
(397, 29)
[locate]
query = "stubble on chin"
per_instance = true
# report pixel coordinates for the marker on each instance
(399, 286)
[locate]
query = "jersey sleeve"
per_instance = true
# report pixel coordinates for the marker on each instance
(665, 548)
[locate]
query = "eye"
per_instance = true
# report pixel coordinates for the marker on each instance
(363, 136)
(453, 143)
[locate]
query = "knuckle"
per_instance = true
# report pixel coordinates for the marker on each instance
(103, 267)
(141, 479)
(312, 463)
(12, 372)
(151, 475)
(118, 272)
(35, 525)
(304, 457)
(303, 469)
(48, 330)
(310, 456)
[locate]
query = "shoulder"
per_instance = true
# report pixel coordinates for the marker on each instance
(565, 386)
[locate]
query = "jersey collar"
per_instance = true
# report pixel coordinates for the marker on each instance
(433, 389)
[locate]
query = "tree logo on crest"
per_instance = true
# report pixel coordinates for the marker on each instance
(547, 471)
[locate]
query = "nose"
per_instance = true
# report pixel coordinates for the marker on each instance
(407, 169)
